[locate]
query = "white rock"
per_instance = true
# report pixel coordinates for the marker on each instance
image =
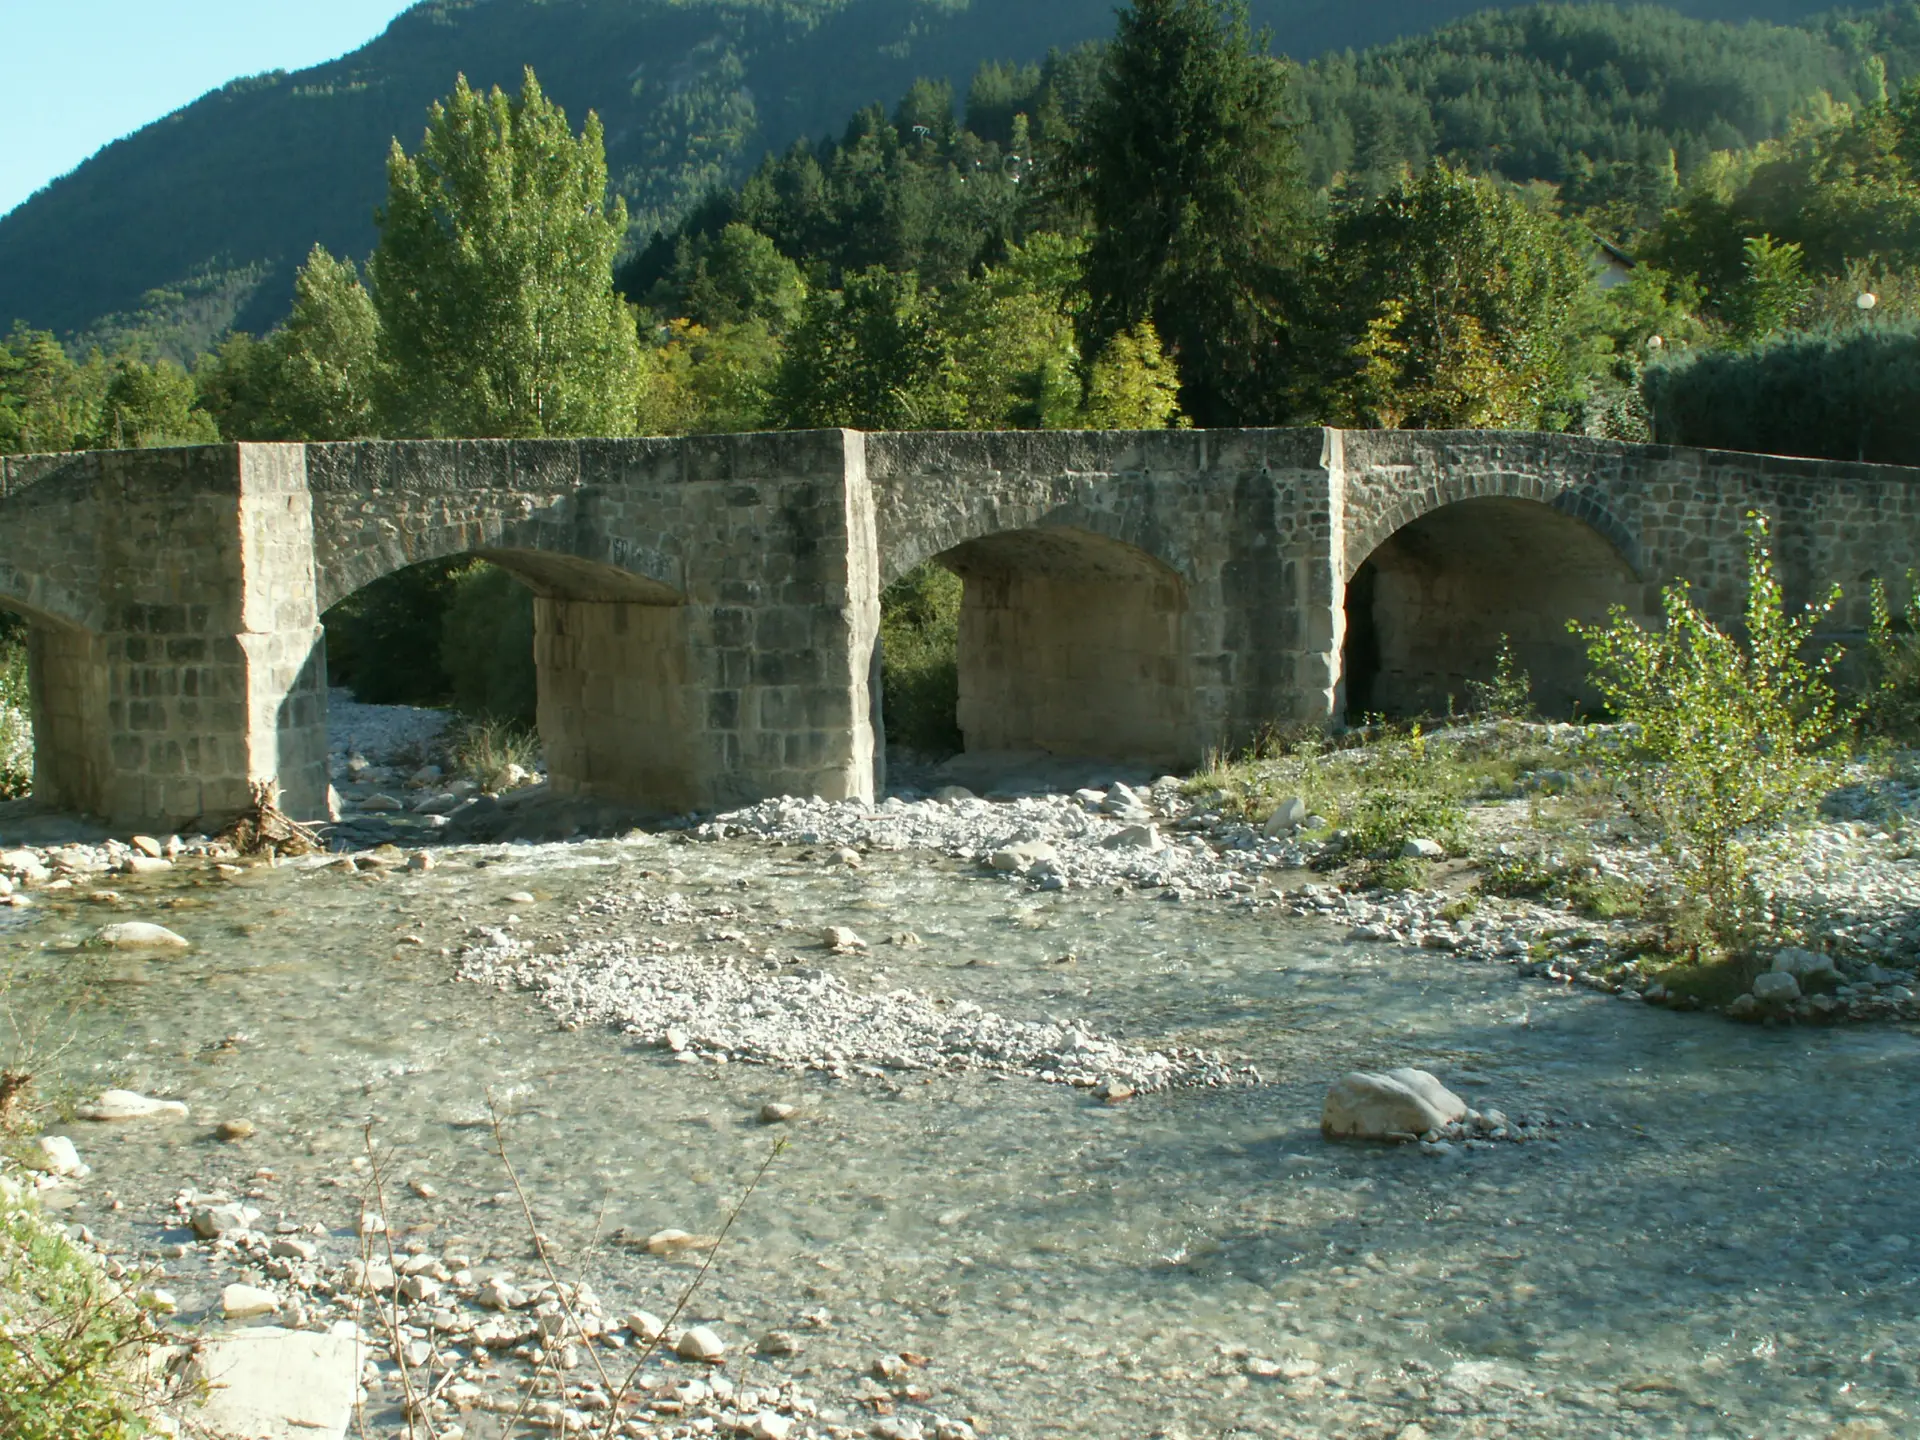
(139, 935)
(1287, 816)
(897, 1427)
(1135, 837)
(275, 1384)
(1803, 964)
(775, 1112)
(770, 1425)
(130, 1105)
(145, 864)
(646, 1325)
(288, 1247)
(1421, 848)
(500, 1295)
(420, 860)
(953, 794)
(209, 1221)
(247, 1302)
(1023, 856)
(1397, 1105)
(1776, 987)
(56, 1155)
(841, 940)
(148, 846)
(700, 1343)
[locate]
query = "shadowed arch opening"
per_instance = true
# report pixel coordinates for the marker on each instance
(1427, 610)
(593, 659)
(53, 709)
(1070, 643)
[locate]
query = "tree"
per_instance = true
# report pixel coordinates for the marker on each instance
(870, 355)
(314, 378)
(1188, 168)
(1130, 385)
(47, 403)
(1731, 731)
(493, 276)
(151, 405)
(1451, 303)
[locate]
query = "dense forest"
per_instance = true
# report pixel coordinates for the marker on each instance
(197, 222)
(1167, 228)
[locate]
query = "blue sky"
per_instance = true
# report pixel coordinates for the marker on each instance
(80, 73)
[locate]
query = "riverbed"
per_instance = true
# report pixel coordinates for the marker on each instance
(1718, 1233)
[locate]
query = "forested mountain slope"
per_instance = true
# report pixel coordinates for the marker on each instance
(195, 222)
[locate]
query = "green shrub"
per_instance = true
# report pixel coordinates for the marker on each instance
(70, 1339)
(1892, 708)
(16, 719)
(1848, 396)
(919, 645)
(486, 644)
(1509, 694)
(1729, 733)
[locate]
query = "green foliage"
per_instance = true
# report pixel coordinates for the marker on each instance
(492, 278)
(1131, 385)
(1843, 396)
(486, 645)
(919, 641)
(1457, 305)
(1409, 794)
(1773, 285)
(314, 378)
(16, 716)
(695, 380)
(195, 223)
(151, 405)
(1188, 167)
(487, 750)
(734, 277)
(1728, 732)
(384, 641)
(1509, 694)
(47, 403)
(1892, 708)
(69, 1338)
(870, 355)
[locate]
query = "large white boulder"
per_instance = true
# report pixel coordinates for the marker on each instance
(139, 935)
(1396, 1105)
(130, 1105)
(272, 1384)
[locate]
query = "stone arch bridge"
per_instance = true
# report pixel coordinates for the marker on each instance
(707, 609)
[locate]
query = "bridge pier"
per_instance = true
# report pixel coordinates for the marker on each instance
(194, 667)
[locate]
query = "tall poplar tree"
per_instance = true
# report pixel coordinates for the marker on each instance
(1187, 165)
(493, 278)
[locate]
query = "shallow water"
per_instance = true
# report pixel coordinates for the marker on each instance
(1724, 1241)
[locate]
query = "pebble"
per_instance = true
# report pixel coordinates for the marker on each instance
(775, 1113)
(235, 1130)
(677, 1242)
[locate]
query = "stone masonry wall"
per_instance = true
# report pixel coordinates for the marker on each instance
(708, 607)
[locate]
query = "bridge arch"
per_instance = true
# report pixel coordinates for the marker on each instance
(1433, 599)
(1369, 525)
(1071, 640)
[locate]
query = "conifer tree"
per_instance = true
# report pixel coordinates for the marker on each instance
(1188, 168)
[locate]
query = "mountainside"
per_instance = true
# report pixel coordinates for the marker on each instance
(196, 221)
